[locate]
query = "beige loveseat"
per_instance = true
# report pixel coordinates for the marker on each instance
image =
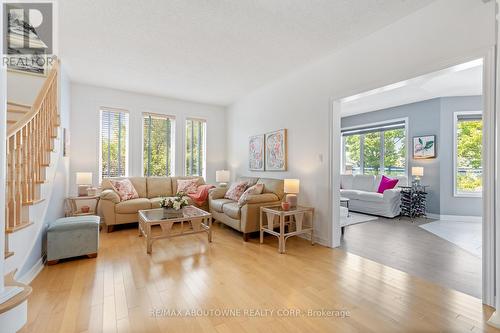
(245, 218)
(151, 191)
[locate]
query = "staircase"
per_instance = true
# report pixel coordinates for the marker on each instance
(31, 131)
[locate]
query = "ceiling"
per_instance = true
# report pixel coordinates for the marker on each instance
(211, 51)
(461, 80)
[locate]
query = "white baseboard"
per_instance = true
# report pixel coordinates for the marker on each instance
(317, 239)
(32, 273)
(458, 218)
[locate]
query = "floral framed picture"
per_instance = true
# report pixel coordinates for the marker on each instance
(276, 151)
(256, 153)
(424, 147)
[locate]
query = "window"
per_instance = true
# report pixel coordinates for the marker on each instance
(468, 146)
(195, 147)
(158, 143)
(114, 143)
(376, 149)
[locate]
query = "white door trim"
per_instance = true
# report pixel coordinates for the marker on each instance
(489, 201)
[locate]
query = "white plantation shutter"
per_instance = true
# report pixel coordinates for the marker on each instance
(114, 143)
(158, 152)
(195, 147)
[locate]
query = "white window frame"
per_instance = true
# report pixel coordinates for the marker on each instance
(204, 156)
(127, 150)
(457, 194)
(404, 120)
(172, 139)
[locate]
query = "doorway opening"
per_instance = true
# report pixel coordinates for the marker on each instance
(415, 161)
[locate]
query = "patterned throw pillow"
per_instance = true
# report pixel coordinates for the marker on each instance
(187, 185)
(252, 190)
(236, 190)
(124, 188)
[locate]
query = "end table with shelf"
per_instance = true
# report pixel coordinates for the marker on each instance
(75, 208)
(294, 219)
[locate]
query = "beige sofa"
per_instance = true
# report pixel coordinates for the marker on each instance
(245, 218)
(151, 191)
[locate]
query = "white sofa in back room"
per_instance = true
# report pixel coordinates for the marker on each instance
(363, 197)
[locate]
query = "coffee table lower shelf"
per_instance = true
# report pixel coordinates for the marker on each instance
(193, 221)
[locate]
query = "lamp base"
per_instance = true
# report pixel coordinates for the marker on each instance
(82, 190)
(292, 200)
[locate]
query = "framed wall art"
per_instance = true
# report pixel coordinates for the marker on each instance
(276, 151)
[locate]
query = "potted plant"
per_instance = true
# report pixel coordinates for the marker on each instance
(172, 207)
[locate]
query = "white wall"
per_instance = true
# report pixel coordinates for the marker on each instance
(427, 40)
(23, 88)
(86, 102)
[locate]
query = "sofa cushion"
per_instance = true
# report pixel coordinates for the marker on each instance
(132, 206)
(275, 186)
(140, 186)
(232, 210)
(250, 180)
(217, 204)
(350, 194)
(346, 182)
(156, 202)
(370, 196)
(364, 183)
(201, 181)
(159, 187)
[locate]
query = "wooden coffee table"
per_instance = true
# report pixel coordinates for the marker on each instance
(192, 221)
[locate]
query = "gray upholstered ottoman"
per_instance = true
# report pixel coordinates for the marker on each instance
(72, 237)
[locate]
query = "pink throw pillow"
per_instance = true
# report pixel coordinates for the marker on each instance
(187, 185)
(387, 184)
(236, 190)
(252, 190)
(124, 188)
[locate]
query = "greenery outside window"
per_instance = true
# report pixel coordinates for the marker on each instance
(158, 143)
(376, 149)
(468, 145)
(114, 129)
(195, 147)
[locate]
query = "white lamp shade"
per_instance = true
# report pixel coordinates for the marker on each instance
(417, 171)
(222, 176)
(292, 186)
(83, 178)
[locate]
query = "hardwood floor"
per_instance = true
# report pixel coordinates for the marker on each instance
(401, 244)
(118, 290)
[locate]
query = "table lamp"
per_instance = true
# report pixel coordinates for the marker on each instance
(291, 189)
(417, 173)
(222, 177)
(84, 181)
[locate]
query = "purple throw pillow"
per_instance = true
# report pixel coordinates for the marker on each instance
(387, 184)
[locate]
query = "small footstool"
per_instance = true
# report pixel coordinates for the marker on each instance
(72, 237)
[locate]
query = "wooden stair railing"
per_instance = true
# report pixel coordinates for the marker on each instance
(29, 144)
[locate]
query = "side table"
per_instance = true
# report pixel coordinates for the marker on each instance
(293, 218)
(75, 210)
(413, 201)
